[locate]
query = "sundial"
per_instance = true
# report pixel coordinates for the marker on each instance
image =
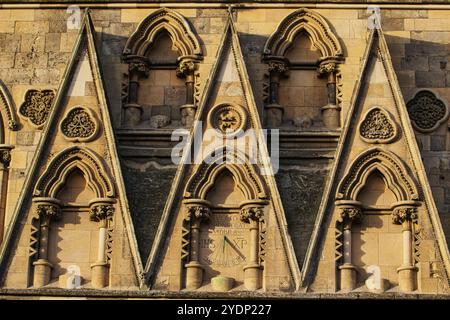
(226, 252)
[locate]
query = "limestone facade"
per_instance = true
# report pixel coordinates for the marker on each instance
(91, 199)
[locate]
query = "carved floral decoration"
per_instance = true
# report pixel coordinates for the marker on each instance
(228, 119)
(79, 124)
(36, 106)
(427, 112)
(377, 127)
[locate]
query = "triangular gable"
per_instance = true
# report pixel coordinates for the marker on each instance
(61, 149)
(377, 148)
(227, 92)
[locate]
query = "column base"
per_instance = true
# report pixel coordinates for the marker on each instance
(252, 276)
(187, 115)
(407, 278)
(194, 275)
(331, 116)
(99, 275)
(222, 284)
(133, 114)
(274, 115)
(42, 273)
(348, 277)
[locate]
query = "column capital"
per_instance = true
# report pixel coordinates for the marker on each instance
(47, 209)
(402, 214)
(5, 154)
(138, 64)
(186, 67)
(197, 210)
(349, 214)
(249, 214)
(327, 67)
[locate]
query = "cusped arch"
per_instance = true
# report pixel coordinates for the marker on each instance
(178, 28)
(246, 178)
(64, 163)
(317, 28)
(8, 111)
(391, 168)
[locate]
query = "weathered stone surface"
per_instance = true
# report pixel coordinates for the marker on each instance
(147, 206)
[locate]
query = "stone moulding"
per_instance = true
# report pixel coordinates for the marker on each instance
(79, 125)
(318, 29)
(427, 111)
(183, 38)
(377, 126)
(36, 106)
(56, 173)
(8, 110)
(395, 173)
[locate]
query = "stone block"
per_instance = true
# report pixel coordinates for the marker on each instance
(6, 26)
(430, 79)
(437, 143)
(67, 41)
(36, 27)
(7, 60)
(202, 25)
(32, 43)
(52, 42)
(22, 14)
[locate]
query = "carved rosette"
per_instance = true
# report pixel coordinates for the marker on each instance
(228, 119)
(427, 111)
(377, 127)
(36, 106)
(79, 124)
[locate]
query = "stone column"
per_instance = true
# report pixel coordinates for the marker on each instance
(330, 112)
(278, 67)
(186, 69)
(138, 67)
(101, 211)
(252, 213)
(197, 211)
(405, 214)
(349, 213)
(47, 209)
(5, 159)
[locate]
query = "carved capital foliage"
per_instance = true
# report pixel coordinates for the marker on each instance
(327, 67)
(101, 212)
(427, 111)
(251, 213)
(197, 212)
(403, 214)
(48, 212)
(5, 157)
(377, 127)
(350, 215)
(139, 67)
(280, 67)
(36, 106)
(185, 67)
(79, 124)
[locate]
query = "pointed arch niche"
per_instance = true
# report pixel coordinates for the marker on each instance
(376, 205)
(224, 227)
(303, 56)
(73, 200)
(162, 57)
